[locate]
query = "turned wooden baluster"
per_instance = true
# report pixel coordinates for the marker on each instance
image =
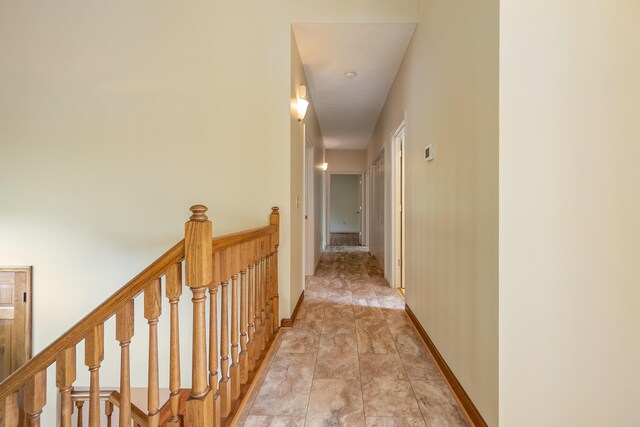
(225, 382)
(267, 302)
(11, 411)
(267, 290)
(93, 357)
(251, 345)
(272, 330)
(263, 299)
(274, 219)
(108, 411)
(235, 348)
(258, 301)
(79, 408)
(124, 333)
(244, 366)
(173, 291)
(65, 377)
(35, 397)
(199, 274)
(213, 339)
(152, 311)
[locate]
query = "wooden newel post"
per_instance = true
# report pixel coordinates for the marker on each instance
(274, 219)
(198, 251)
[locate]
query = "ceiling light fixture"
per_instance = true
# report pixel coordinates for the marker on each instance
(302, 103)
(350, 74)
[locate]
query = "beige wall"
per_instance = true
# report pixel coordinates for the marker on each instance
(447, 90)
(301, 130)
(346, 160)
(116, 117)
(569, 209)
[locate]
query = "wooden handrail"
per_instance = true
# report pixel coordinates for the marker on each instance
(108, 308)
(243, 263)
(112, 396)
(229, 240)
(137, 414)
(103, 312)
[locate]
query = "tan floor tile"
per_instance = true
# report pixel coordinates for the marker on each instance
(421, 367)
(343, 366)
(311, 311)
(340, 343)
(410, 344)
(381, 365)
(388, 397)
(338, 326)
(394, 422)
(372, 341)
(263, 421)
(438, 406)
(300, 341)
(352, 357)
(335, 403)
(368, 313)
(286, 388)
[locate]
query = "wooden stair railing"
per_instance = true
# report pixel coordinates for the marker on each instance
(242, 268)
(111, 400)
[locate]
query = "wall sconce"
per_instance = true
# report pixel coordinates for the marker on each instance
(325, 166)
(302, 103)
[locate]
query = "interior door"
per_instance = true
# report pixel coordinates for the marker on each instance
(377, 217)
(15, 319)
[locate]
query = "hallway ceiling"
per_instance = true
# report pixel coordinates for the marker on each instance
(348, 109)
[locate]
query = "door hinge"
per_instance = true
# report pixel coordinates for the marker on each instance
(24, 297)
(399, 263)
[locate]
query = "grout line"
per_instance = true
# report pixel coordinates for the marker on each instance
(315, 364)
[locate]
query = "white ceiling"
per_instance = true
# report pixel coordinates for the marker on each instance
(348, 109)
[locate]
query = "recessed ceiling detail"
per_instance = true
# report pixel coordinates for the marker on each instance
(350, 74)
(350, 69)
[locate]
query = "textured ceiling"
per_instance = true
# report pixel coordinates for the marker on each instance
(348, 109)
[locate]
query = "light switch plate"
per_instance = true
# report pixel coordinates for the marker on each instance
(429, 153)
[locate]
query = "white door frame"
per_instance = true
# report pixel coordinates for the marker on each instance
(328, 202)
(309, 226)
(398, 253)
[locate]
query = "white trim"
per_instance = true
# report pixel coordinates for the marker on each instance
(309, 208)
(397, 246)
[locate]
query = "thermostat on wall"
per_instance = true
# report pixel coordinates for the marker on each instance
(429, 153)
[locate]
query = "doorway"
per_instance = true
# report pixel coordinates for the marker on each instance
(398, 196)
(15, 319)
(376, 235)
(309, 245)
(345, 210)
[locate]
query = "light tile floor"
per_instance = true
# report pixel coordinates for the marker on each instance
(353, 358)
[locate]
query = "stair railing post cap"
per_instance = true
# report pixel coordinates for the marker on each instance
(198, 213)
(275, 210)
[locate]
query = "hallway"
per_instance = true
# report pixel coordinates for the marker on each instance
(353, 358)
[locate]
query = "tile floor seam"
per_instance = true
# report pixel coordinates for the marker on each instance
(364, 409)
(313, 376)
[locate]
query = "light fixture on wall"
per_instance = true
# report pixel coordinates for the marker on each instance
(325, 166)
(302, 103)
